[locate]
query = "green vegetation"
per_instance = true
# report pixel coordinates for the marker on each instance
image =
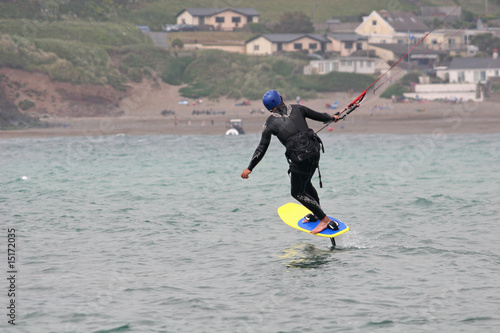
(209, 73)
(297, 22)
(397, 89)
(177, 43)
(495, 86)
(67, 61)
(109, 34)
(11, 118)
(216, 73)
(96, 42)
(155, 13)
(138, 61)
(26, 104)
(486, 43)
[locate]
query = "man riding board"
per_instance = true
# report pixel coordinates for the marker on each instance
(303, 146)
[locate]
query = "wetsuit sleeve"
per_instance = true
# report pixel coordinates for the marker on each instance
(262, 147)
(315, 115)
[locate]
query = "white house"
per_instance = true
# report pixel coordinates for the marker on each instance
(347, 43)
(383, 27)
(272, 43)
(226, 19)
(470, 70)
(452, 92)
(360, 65)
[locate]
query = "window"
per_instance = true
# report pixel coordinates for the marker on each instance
(327, 67)
(374, 22)
(236, 19)
(361, 63)
(297, 46)
(348, 45)
(359, 46)
(461, 76)
(219, 19)
(313, 46)
(342, 63)
(256, 47)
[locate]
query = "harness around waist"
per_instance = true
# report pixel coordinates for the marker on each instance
(304, 147)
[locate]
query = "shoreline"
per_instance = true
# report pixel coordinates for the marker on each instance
(378, 116)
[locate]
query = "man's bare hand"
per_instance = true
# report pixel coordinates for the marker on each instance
(245, 173)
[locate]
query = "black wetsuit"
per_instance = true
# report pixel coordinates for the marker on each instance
(285, 122)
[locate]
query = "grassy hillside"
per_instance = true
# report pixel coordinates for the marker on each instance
(111, 34)
(157, 12)
(106, 53)
(100, 45)
(216, 73)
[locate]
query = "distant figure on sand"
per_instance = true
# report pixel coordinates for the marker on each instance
(288, 123)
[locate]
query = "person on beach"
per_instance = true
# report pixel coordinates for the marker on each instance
(303, 148)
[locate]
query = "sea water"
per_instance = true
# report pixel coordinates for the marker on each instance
(160, 234)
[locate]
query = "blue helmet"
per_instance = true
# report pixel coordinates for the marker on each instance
(271, 99)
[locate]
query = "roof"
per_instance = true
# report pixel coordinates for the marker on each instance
(403, 21)
(474, 63)
(214, 11)
(346, 27)
(288, 38)
(402, 49)
(345, 37)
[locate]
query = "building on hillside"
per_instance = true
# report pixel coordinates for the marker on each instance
(455, 42)
(360, 65)
(275, 43)
(336, 26)
(470, 70)
(454, 92)
(224, 19)
(383, 27)
(347, 44)
(419, 57)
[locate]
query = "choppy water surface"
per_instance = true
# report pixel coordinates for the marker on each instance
(159, 234)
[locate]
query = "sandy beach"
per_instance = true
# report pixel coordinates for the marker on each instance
(375, 116)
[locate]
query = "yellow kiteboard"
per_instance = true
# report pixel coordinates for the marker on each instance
(293, 214)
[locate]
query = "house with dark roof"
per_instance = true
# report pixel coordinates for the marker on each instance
(422, 56)
(274, 43)
(347, 43)
(360, 65)
(384, 27)
(471, 70)
(225, 19)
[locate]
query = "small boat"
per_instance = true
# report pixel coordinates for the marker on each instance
(234, 127)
